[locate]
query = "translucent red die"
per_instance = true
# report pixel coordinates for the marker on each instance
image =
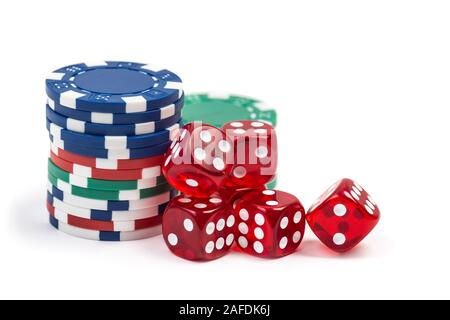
(270, 223)
(343, 215)
(199, 160)
(255, 153)
(232, 194)
(199, 228)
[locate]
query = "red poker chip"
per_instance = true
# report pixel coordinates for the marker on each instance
(109, 164)
(105, 174)
(98, 225)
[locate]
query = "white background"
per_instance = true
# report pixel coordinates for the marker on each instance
(361, 89)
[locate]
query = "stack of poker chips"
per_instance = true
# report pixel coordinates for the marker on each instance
(109, 124)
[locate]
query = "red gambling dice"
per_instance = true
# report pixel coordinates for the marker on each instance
(230, 195)
(255, 153)
(270, 223)
(199, 161)
(199, 228)
(343, 216)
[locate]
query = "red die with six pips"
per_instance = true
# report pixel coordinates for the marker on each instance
(199, 228)
(270, 223)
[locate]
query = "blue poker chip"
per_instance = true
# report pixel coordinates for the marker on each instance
(106, 215)
(156, 131)
(119, 118)
(113, 154)
(113, 87)
(112, 142)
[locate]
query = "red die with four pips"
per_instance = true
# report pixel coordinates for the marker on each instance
(222, 173)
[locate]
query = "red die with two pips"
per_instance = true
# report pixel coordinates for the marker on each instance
(343, 215)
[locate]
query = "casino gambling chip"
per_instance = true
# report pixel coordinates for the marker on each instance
(272, 184)
(125, 205)
(118, 118)
(105, 174)
(121, 154)
(99, 184)
(108, 194)
(109, 164)
(113, 87)
(105, 235)
(110, 124)
(122, 226)
(218, 109)
(105, 215)
(156, 131)
(112, 142)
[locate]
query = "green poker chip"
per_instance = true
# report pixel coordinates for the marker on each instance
(108, 185)
(217, 109)
(108, 195)
(272, 184)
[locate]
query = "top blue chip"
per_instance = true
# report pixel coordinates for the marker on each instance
(113, 87)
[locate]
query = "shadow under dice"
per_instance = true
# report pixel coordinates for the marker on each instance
(270, 223)
(197, 163)
(199, 228)
(343, 216)
(255, 153)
